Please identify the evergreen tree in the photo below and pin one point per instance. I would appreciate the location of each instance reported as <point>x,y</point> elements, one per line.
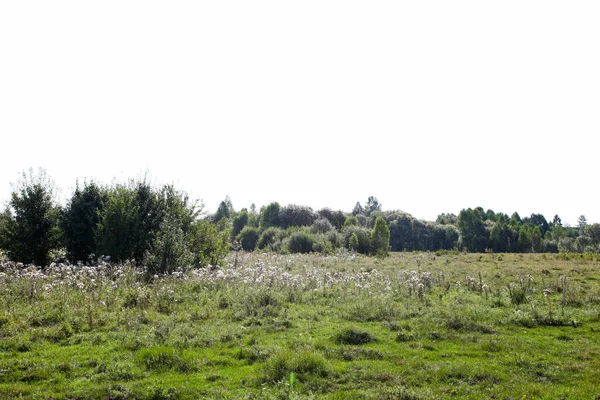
<point>79,220</point>
<point>30,225</point>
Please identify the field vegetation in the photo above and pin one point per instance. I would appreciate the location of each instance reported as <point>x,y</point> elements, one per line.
<point>408,326</point>
<point>133,291</point>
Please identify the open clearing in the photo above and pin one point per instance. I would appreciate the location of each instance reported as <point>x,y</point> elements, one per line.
<point>411,326</point>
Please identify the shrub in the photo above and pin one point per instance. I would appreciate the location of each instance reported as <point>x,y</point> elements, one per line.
<point>380,237</point>
<point>321,226</point>
<point>248,238</point>
<point>183,240</point>
<point>269,237</point>
<point>354,337</point>
<point>322,245</point>
<point>301,242</point>
<point>208,244</point>
<point>169,250</point>
<point>362,234</point>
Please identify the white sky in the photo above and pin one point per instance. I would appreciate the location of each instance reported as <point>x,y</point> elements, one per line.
<point>431,106</point>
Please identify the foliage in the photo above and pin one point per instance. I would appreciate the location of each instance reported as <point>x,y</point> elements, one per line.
<point>239,222</point>
<point>117,234</point>
<point>380,238</point>
<point>29,227</point>
<point>78,221</point>
<point>364,239</point>
<point>350,221</point>
<point>336,218</point>
<point>224,211</point>
<point>473,234</point>
<point>372,205</point>
<point>321,225</point>
<point>301,242</point>
<point>269,216</point>
<point>294,215</point>
<point>269,237</point>
<point>248,238</point>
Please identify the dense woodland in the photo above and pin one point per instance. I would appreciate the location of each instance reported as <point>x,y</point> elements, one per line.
<point>161,228</point>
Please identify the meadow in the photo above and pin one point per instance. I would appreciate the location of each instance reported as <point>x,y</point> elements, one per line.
<point>445,325</point>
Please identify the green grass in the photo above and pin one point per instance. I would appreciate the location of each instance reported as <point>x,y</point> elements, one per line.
<point>411,326</point>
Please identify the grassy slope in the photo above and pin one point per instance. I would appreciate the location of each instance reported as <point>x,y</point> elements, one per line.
<point>409,327</point>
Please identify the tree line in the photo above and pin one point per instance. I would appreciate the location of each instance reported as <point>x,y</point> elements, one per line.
<point>161,228</point>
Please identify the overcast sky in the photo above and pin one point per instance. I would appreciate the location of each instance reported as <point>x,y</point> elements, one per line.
<point>431,106</point>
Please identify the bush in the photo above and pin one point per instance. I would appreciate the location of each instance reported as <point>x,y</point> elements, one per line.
<point>354,337</point>
<point>301,242</point>
<point>169,250</point>
<point>209,244</point>
<point>29,227</point>
<point>322,245</point>
<point>269,237</point>
<point>362,234</point>
<point>321,226</point>
<point>380,237</point>
<point>248,238</point>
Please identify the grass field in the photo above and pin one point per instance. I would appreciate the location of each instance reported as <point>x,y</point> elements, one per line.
<point>411,326</point>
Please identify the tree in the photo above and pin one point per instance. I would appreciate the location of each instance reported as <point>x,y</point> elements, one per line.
<point>182,240</point>
<point>539,220</point>
<point>581,224</point>
<point>116,231</point>
<point>239,222</point>
<point>270,216</point>
<point>473,234</point>
<point>353,243</point>
<point>380,237</point>
<point>294,215</point>
<point>350,221</point>
<point>372,205</point>
<point>322,225</point>
<point>358,209</point>
<point>29,227</point>
<point>78,221</point>
<point>337,218</point>
<point>224,211</point>
<point>525,240</point>
<point>401,233</point>
<point>446,219</point>
<point>593,231</point>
